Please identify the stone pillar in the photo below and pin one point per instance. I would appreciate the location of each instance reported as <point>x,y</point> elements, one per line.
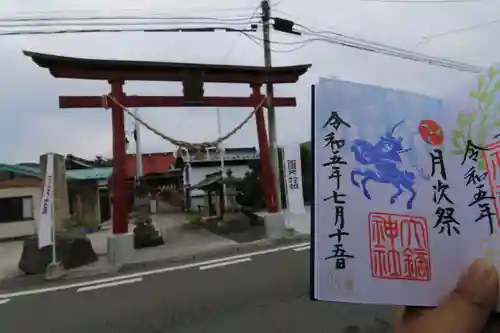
<point>275,225</point>
<point>61,200</point>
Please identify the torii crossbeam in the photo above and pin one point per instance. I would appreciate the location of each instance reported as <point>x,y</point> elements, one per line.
<point>192,76</point>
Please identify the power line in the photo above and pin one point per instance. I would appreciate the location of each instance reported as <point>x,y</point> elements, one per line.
<point>134,23</point>
<point>404,54</point>
<point>114,20</point>
<point>34,16</point>
<point>376,47</point>
<point>259,41</point>
<point>334,38</point>
<point>99,27</point>
<point>370,46</point>
<point>427,39</point>
<point>235,41</point>
<point>423,1</point>
<point>86,31</point>
<point>324,36</point>
<point>89,16</point>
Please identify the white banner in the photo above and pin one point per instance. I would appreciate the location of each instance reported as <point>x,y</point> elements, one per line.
<point>293,179</point>
<point>46,215</point>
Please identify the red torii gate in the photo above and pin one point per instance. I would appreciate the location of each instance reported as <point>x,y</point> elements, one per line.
<point>192,77</point>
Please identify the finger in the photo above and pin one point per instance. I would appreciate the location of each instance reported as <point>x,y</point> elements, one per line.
<point>467,308</point>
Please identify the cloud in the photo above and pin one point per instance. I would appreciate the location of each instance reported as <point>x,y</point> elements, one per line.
<point>33,124</point>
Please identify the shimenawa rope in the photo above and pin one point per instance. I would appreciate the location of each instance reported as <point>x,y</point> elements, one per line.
<point>180,143</point>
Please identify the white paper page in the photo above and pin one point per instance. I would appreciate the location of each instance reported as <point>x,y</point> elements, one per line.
<point>476,110</point>
<point>408,231</point>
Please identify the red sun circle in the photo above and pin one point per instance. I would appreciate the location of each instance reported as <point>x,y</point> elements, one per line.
<point>431,132</point>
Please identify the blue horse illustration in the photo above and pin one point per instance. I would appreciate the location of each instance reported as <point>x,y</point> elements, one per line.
<point>383,157</point>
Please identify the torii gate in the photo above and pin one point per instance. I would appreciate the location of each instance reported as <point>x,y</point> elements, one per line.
<point>192,76</point>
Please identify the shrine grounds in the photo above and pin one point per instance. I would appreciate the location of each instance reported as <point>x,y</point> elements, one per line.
<point>182,245</point>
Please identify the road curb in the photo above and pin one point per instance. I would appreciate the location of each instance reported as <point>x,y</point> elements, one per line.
<point>225,251</point>
<point>14,239</point>
<point>37,280</point>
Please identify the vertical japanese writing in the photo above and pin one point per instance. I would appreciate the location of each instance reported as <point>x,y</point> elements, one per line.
<point>482,198</point>
<point>292,177</point>
<point>446,222</point>
<point>335,163</point>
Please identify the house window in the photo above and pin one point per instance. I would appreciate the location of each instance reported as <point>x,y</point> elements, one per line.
<point>16,209</point>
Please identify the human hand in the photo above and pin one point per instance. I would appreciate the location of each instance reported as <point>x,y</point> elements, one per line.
<point>468,309</point>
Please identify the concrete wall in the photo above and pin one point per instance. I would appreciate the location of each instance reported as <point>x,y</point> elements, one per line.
<point>21,228</point>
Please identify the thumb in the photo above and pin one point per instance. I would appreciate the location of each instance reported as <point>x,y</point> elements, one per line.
<point>467,308</point>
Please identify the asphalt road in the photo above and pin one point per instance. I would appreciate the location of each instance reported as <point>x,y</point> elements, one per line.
<point>259,293</point>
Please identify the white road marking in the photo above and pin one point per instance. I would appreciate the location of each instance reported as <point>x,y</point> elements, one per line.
<point>3,301</point>
<point>225,263</point>
<point>298,249</point>
<point>146,273</point>
<point>107,285</point>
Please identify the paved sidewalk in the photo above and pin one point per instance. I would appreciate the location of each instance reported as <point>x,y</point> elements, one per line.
<point>179,242</point>
<point>170,225</point>
<point>180,245</point>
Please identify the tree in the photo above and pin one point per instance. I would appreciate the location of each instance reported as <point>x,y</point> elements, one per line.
<point>250,189</point>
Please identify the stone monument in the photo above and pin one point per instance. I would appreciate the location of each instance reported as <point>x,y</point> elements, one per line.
<point>145,233</point>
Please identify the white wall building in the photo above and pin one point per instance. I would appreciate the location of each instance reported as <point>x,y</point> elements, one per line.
<point>20,194</point>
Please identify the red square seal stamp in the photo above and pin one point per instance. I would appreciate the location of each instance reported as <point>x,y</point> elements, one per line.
<point>399,247</point>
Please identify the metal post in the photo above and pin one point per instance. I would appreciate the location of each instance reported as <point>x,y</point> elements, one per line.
<point>187,184</point>
<point>271,115</point>
<point>222,154</point>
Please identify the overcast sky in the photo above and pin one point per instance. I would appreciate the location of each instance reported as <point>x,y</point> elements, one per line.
<point>33,124</point>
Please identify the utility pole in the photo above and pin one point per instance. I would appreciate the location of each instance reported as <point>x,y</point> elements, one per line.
<point>271,116</point>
